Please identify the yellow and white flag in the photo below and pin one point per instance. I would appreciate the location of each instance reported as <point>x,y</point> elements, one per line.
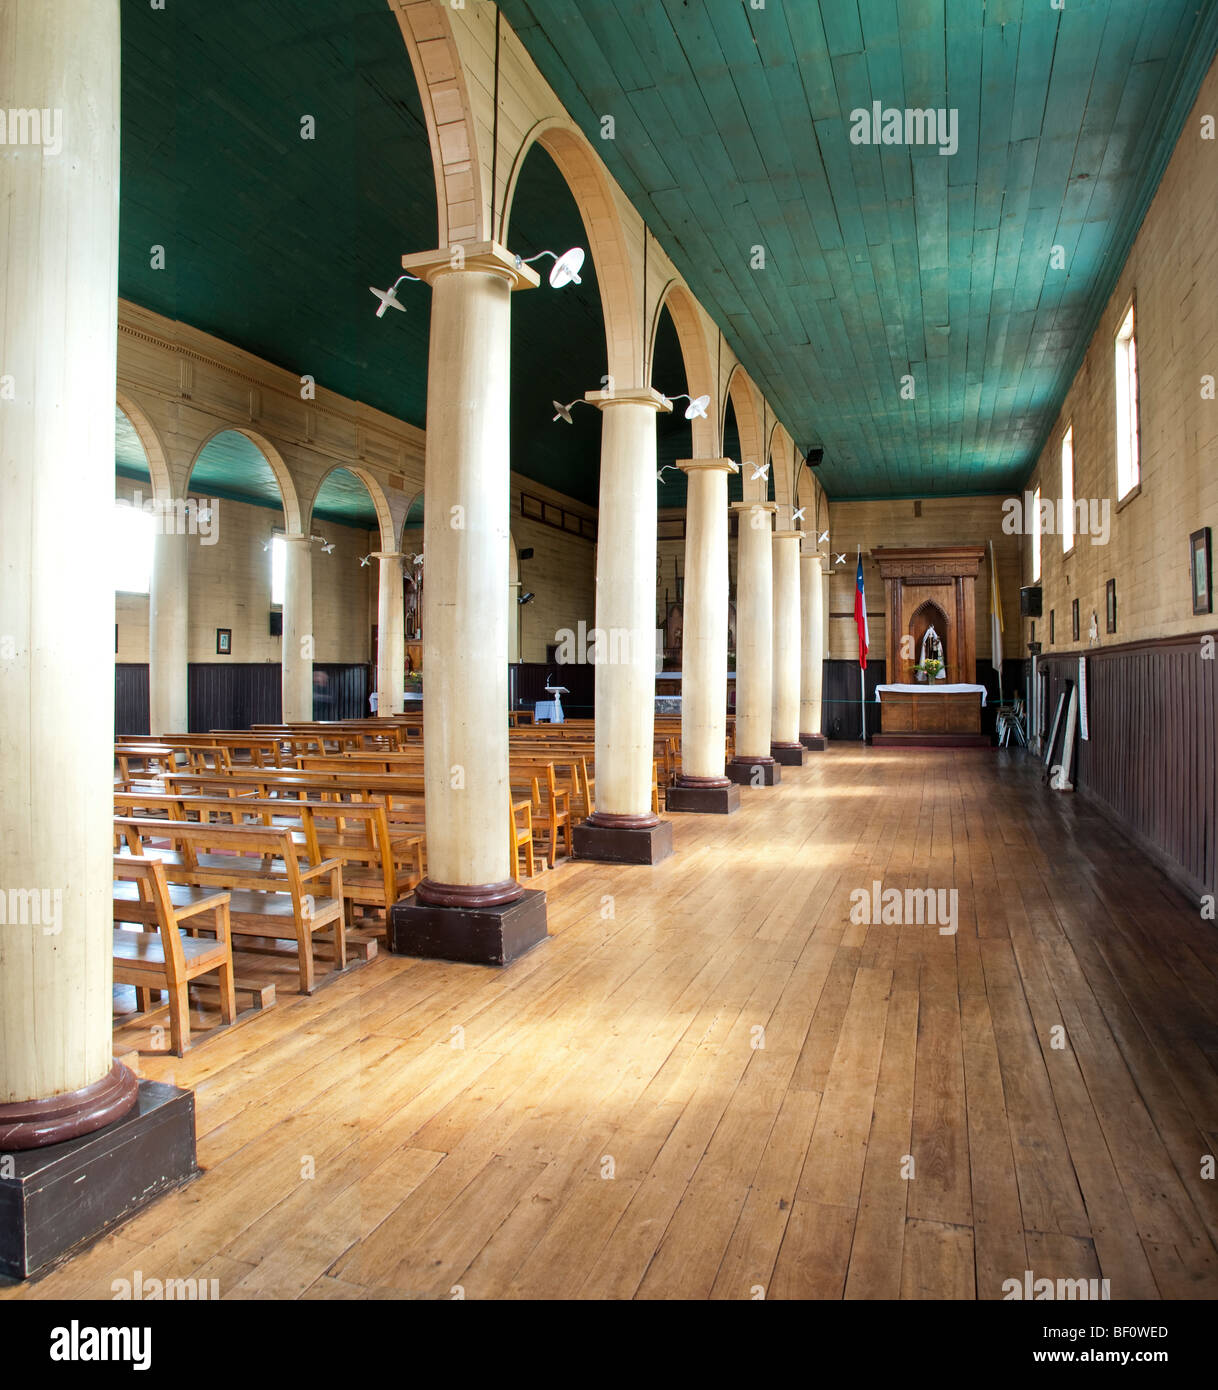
<point>996,624</point>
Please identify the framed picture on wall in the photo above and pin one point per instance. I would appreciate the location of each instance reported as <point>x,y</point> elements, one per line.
<point>1074,620</point>
<point>1110,604</point>
<point>1201,570</point>
<point>224,641</point>
<point>1052,626</point>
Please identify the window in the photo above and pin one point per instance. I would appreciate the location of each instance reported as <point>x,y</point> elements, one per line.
<point>1129,470</point>
<point>134,543</point>
<point>279,568</point>
<point>1068,491</point>
<point>1036,536</point>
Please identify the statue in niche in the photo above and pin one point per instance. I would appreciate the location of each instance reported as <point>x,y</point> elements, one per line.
<point>930,660</point>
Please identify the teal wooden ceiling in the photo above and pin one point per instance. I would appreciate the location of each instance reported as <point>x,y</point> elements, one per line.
<point>733,131</point>
<point>271,240</point>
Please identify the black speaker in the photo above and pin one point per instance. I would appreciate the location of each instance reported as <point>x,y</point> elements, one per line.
<point>276,624</point>
<point>815,457</point>
<point>526,554</point>
<point>1029,601</point>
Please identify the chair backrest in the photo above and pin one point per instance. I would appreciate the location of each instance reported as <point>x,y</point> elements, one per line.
<point>154,889</point>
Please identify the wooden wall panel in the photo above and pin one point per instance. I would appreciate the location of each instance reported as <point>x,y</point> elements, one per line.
<point>1150,759</point>
<point>131,699</point>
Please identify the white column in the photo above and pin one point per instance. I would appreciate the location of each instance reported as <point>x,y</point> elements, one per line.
<point>625,609</point>
<point>704,650</point>
<point>297,670</point>
<point>784,733</point>
<point>168,615</point>
<point>391,638</point>
<point>58,336</point>
<point>466,538</point>
<point>754,632</point>
<point>812,650</point>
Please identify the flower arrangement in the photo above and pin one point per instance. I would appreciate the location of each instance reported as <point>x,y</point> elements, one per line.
<point>930,668</point>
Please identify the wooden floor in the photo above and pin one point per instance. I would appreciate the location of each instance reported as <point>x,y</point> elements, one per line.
<point>710,1083</point>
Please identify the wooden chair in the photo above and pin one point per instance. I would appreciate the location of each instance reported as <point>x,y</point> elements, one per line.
<point>164,958</point>
<point>521,817</point>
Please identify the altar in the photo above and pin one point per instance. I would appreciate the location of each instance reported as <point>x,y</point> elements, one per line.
<point>933,708</point>
<point>930,658</point>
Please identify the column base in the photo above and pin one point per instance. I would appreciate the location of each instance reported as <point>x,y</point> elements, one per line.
<point>754,772</point>
<point>623,844</point>
<point>704,797</point>
<point>815,743</point>
<point>493,935</point>
<point>56,1198</point>
<point>788,754</point>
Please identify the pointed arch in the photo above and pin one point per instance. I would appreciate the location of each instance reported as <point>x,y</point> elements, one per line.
<point>742,394</point>
<point>150,440</point>
<point>461,213</point>
<point>695,351</point>
<point>287,488</point>
<point>589,183</point>
<point>380,502</point>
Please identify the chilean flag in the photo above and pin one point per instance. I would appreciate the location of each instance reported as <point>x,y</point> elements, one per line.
<point>860,612</point>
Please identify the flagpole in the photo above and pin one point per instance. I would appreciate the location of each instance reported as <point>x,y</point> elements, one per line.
<point>863,698</point>
<point>862,666</point>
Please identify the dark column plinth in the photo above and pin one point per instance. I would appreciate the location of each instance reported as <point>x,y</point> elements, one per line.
<point>788,754</point>
<point>493,935</point>
<point>622,840</point>
<point>754,772</point>
<point>718,798</point>
<point>56,1198</point>
<point>815,743</point>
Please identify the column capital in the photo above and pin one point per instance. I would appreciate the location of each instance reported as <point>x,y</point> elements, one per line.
<point>295,536</point>
<point>487,257</point>
<point>386,555</point>
<point>708,466</point>
<point>753,507</point>
<point>633,395</point>
<point>788,535</point>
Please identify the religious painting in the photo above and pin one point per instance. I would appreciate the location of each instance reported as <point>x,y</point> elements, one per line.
<point>224,641</point>
<point>1201,571</point>
<point>1110,605</point>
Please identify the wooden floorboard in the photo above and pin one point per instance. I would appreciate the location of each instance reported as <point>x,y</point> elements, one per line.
<point>711,1082</point>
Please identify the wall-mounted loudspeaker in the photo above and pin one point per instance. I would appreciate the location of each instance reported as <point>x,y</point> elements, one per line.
<point>276,624</point>
<point>1030,601</point>
<point>815,457</point>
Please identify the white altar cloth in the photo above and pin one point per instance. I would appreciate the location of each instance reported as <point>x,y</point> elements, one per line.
<point>933,688</point>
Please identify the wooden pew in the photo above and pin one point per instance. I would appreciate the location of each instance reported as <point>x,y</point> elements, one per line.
<point>379,866</point>
<point>265,901</point>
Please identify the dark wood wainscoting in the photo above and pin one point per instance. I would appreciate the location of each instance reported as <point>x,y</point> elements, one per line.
<point>131,711</point>
<point>1149,762</point>
<point>233,695</point>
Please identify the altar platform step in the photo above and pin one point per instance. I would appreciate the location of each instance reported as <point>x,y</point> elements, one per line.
<point>932,741</point>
